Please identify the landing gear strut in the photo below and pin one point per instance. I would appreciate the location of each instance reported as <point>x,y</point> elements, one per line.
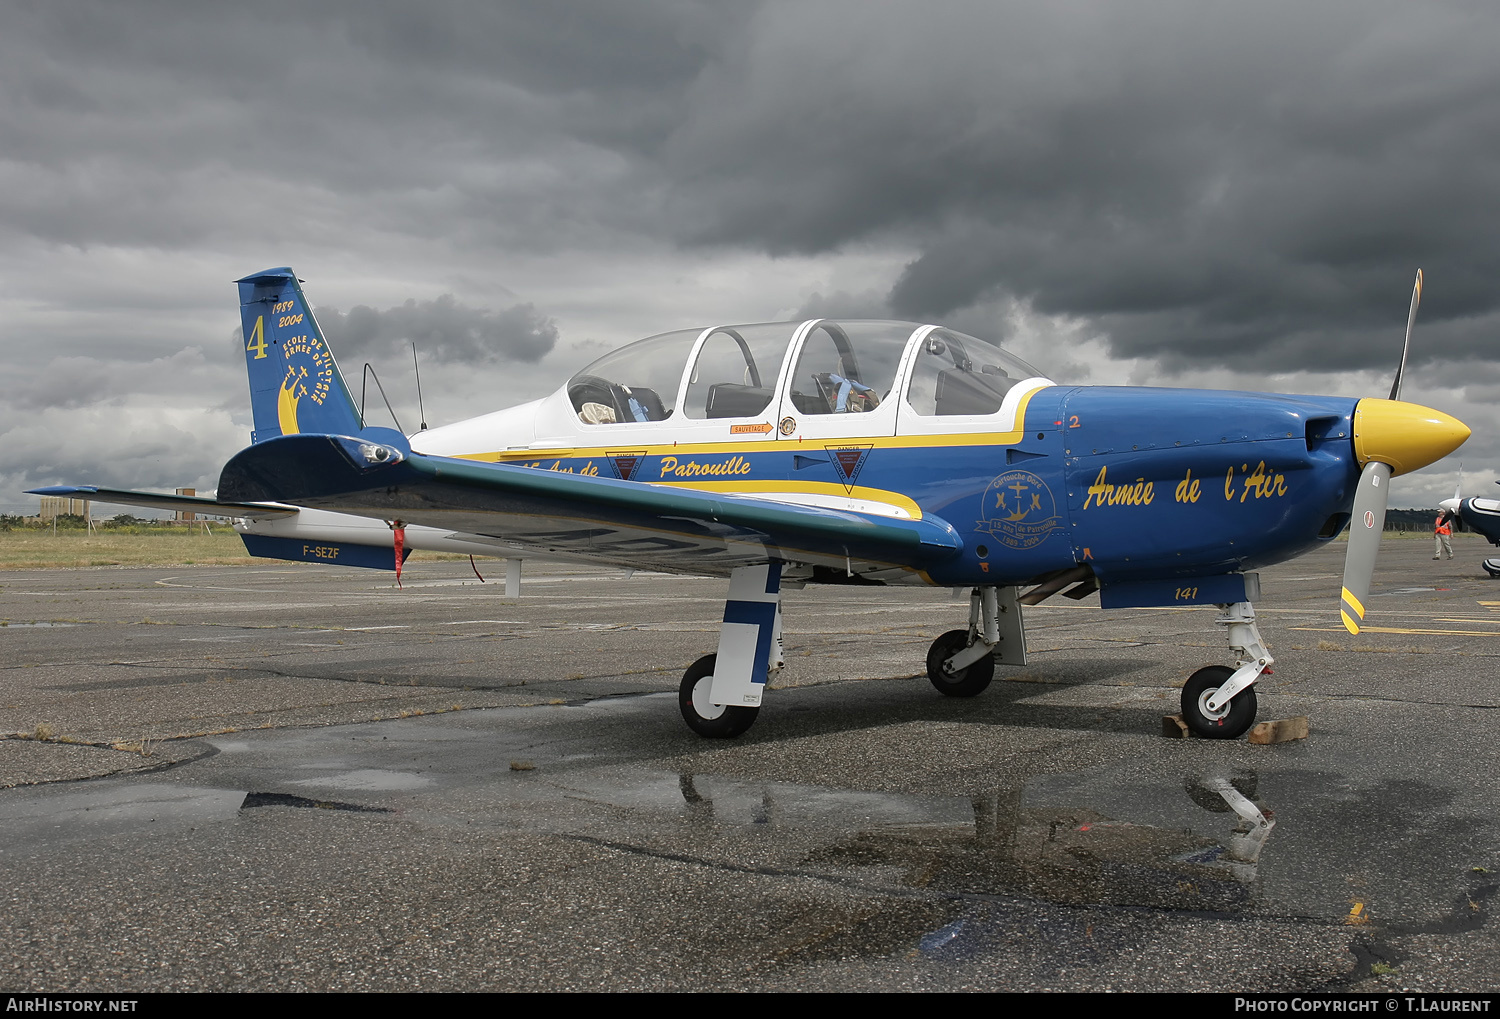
<point>961,663</point>
<point>720,693</point>
<point>1219,702</point>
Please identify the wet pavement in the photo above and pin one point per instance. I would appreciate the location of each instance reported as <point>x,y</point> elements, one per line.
<point>280,777</point>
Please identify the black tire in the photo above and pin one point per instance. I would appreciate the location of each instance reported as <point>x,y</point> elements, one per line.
<point>967,682</point>
<point>727,725</point>
<point>1233,722</point>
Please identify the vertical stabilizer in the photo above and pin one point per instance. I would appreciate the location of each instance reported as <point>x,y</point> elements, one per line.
<point>295,385</point>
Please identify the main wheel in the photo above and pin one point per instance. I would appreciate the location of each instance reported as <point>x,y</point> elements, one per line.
<point>1230,721</point>
<point>966,682</point>
<point>716,721</point>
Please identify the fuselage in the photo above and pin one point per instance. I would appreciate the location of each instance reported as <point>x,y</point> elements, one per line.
<point>1134,482</point>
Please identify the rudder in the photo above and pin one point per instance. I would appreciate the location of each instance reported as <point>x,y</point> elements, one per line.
<point>295,384</point>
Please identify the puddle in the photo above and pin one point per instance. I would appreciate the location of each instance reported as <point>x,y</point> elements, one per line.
<point>369,780</point>
<point>735,802</point>
<point>1005,842</point>
<point>21,626</point>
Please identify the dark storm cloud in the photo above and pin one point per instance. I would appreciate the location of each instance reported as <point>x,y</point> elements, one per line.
<point>444,330</point>
<point>159,124</point>
<point>1200,185</point>
<point>1204,182</point>
<point>1207,182</point>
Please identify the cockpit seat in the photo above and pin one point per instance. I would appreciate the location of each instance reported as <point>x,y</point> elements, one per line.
<point>599,402</point>
<point>730,400</point>
<point>637,403</point>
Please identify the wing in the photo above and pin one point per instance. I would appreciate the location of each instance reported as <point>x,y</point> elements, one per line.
<point>200,504</point>
<point>619,522</point>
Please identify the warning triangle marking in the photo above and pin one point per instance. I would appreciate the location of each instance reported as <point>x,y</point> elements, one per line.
<point>847,461</point>
<point>625,464</point>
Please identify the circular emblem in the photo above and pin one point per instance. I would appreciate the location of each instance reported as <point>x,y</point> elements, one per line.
<point>1369,519</point>
<point>1018,510</point>
<point>788,425</point>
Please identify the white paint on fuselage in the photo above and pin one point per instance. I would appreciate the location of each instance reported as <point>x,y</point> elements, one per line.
<point>326,526</point>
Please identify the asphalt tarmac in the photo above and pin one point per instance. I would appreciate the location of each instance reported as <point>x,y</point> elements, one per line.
<point>290,777</point>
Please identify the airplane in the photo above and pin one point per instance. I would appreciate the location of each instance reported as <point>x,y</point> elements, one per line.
<point>1479,515</point>
<point>781,454</point>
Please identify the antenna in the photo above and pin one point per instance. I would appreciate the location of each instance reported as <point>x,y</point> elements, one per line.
<point>369,373</point>
<point>422,413</point>
<point>1411,318</point>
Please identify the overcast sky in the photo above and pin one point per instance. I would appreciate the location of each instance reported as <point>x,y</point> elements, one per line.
<point>1184,194</point>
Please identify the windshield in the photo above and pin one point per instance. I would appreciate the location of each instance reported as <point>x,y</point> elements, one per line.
<point>959,374</point>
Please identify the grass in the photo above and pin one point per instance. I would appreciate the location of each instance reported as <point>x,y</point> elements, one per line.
<point>30,548</point>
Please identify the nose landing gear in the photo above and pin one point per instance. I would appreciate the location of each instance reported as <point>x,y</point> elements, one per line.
<point>1219,702</point>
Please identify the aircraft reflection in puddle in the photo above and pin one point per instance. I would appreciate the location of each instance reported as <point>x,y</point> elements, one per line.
<point>993,844</point>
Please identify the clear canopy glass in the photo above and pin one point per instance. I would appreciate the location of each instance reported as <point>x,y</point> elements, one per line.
<point>848,367</point>
<point>842,368</point>
<point>958,374</point>
<point>736,371</point>
<point>638,382</point>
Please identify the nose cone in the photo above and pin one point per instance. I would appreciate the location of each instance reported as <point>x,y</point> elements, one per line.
<point>1451,505</point>
<point>1404,435</point>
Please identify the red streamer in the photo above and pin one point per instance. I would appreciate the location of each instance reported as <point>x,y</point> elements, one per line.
<point>400,533</point>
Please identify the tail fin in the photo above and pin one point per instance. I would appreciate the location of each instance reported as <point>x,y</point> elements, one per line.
<point>295,385</point>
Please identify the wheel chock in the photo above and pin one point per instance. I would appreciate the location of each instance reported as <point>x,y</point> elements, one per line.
<point>1279,730</point>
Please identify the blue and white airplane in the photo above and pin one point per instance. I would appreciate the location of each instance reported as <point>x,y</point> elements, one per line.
<point>839,452</point>
<point>1479,515</point>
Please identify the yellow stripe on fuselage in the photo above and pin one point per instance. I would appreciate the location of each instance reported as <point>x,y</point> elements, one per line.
<point>762,446</point>
<point>801,487</point>
<point>1009,438</point>
<point>764,486</point>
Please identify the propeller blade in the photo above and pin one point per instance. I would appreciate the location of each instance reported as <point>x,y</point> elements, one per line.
<point>1411,318</point>
<point>1364,541</point>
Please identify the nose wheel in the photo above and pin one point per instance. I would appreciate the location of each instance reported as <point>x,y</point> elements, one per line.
<point>1231,720</point>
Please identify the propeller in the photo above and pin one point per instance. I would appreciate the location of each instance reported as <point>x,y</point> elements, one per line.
<point>1455,504</point>
<point>1390,438</point>
<point>1364,541</point>
<point>1411,319</point>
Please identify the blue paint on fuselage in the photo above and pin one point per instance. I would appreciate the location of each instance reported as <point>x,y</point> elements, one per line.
<point>1134,482</point>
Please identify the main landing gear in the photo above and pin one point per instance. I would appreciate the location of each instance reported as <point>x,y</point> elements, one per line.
<point>961,663</point>
<point>720,693</point>
<point>1219,702</point>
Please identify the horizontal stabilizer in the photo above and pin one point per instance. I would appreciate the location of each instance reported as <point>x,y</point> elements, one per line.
<point>200,504</point>
<point>330,553</point>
